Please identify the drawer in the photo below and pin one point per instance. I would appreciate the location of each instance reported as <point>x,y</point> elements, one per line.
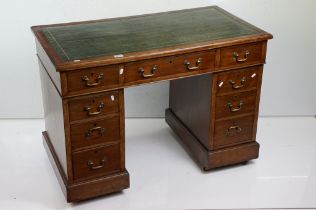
<point>166,67</point>
<point>91,79</point>
<point>241,55</point>
<point>95,132</point>
<point>96,162</point>
<point>233,131</point>
<point>238,80</point>
<point>93,105</point>
<point>235,104</point>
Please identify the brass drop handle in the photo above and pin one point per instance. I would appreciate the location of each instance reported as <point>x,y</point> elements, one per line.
<point>233,109</point>
<point>191,68</point>
<point>232,128</point>
<point>92,84</point>
<point>152,72</point>
<point>240,60</point>
<point>236,86</point>
<point>96,128</point>
<point>91,166</point>
<point>99,109</point>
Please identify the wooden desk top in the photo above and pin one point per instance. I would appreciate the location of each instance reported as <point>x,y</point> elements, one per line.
<point>102,42</point>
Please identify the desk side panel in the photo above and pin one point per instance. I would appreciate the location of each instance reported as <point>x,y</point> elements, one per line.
<point>54,119</point>
<point>190,101</point>
<point>51,70</point>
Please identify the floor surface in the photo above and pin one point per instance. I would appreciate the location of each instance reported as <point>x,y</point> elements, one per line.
<point>163,176</point>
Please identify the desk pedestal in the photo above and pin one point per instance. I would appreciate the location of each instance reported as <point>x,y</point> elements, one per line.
<point>216,120</point>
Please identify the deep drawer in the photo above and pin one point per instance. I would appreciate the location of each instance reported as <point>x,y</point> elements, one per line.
<point>154,69</point>
<point>95,132</point>
<point>93,105</point>
<point>96,162</point>
<point>233,131</point>
<point>238,80</point>
<point>235,104</point>
<point>92,79</point>
<point>242,55</point>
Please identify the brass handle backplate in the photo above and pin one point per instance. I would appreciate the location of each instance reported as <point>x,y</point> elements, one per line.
<point>91,166</point>
<point>238,86</point>
<point>240,60</point>
<point>99,109</point>
<point>92,84</point>
<point>235,109</point>
<point>152,72</point>
<point>191,68</point>
<point>234,128</point>
<point>96,128</point>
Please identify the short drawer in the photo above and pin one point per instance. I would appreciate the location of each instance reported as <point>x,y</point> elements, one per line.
<point>95,132</point>
<point>233,131</point>
<point>166,67</point>
<point>235,104</point>
<point>238,80</point>
<point>96,162</point>
<point>91,79</point>
<point>240,55</point>
<point>93,105</point>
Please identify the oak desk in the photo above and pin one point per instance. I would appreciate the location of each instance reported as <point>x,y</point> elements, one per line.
<point>85,67</point>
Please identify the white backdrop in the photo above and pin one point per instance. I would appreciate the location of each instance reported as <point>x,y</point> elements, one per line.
<point>289,86</point>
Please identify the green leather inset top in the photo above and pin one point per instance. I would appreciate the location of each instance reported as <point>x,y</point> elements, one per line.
<point>140,33</point>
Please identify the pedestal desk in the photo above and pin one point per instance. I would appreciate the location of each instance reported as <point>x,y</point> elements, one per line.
<point>213,59</point>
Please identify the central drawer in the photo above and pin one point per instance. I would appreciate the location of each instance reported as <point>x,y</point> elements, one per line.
<point>166,67</point>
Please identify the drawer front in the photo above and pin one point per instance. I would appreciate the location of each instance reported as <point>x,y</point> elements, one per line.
<point>163,67</point>
<point>238,80</point>
<point>95,132</point>
<point>233,131</point>
<point>93,105</point>
<point>92,79</point>
<point>96,162</point>
<point>235,104</point>
<point>241,55</point>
